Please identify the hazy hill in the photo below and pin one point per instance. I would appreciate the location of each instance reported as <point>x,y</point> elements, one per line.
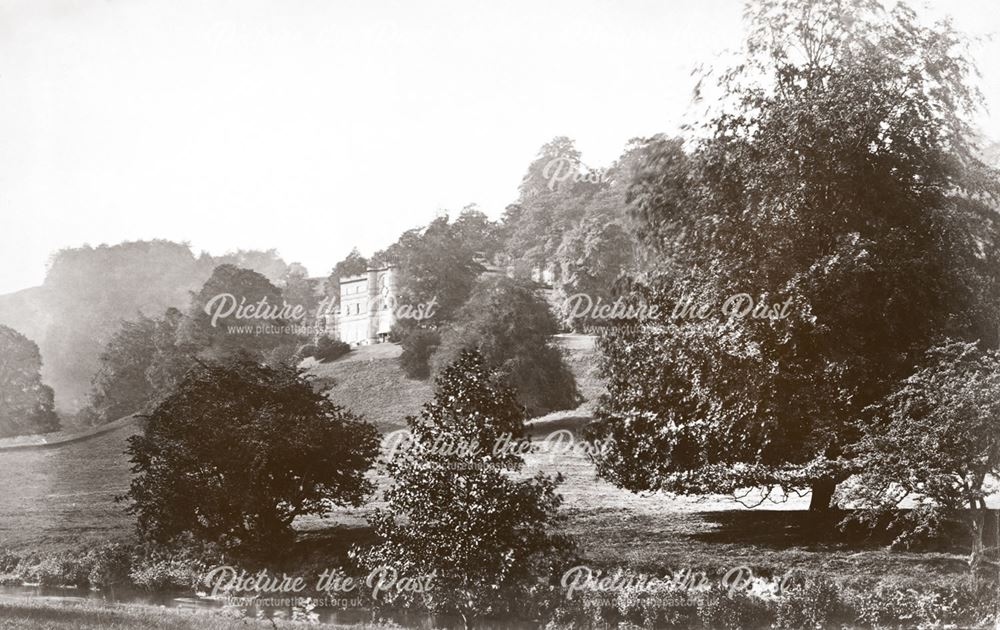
<point>88,291</point>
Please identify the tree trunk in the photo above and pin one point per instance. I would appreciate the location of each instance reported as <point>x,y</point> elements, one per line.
<point>978,522</point>
<point>822,495</point>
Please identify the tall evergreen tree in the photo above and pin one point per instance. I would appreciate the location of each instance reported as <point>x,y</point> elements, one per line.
<point>456,512</point>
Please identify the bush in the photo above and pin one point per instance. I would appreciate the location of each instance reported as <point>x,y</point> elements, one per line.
<point>736,611</point>
<point>167,574</point>
<point>510,324</point>
<point>325,349</point>
<point>963,604</point>
<point>59,570</point>
<point>328,349</point>
<point>8,561</point>
<point>816,605</point>
<point>285,354</point>
<point>110,565</point>
<point>418,346</point>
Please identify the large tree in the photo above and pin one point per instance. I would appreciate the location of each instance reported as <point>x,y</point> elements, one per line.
<point>219,323</point>
<point>121,385</point>
<point>240,449</point>
<point>837,173</point>
<point>553,196</point>
<point>435,263</point>
<point>25,402</point>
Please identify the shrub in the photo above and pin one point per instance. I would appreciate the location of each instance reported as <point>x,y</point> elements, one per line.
<point>889,605</point>
<point>110,565</point>
<point>328,349</point>
<point>8,561</point>
<point>510,324</point>
<point>166,574</point>
<point>325,349</point>
<point>737,611</point>
<point>59,570</point>
<point>418,346</point>
<point>815,605</point>
<point>488,538</point>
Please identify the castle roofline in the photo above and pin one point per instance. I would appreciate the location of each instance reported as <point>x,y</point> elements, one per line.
<point>364,276</point>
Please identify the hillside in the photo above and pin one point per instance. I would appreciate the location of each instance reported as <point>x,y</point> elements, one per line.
<point>370,382</point>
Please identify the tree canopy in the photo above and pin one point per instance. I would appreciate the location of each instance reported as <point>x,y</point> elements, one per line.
<point>25,402</point>
<point>455,513</point>
<point>238,450</point>
<point>838,172</point>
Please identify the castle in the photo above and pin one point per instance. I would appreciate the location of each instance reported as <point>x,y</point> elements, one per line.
<point>367,308</point>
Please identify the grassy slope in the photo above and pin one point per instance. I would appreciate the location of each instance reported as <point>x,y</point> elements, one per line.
<point>369,382</point>
<point>63,497</point>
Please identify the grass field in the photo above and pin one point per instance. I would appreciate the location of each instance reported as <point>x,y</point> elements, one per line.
<point>48,615</point>
<point>63,497</point>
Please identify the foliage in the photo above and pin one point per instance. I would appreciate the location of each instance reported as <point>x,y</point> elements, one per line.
<point>510,324</point>
<point>89,290</point>
<point>327,349</point>
<point>121,386</point>
<point>298,289</point>
<point>267,263</point>
<point>418,344</point>
<point>838,177</point>
<point>25,402</point>
<point>146,357</point>
<point>455,512</point>
<point>216,338</point>
<point>477,233</point>
<point>592,257</point>
<point>352,265</point>
<point>935,439</point>
<point>239,450</point>
<point>438,261</point>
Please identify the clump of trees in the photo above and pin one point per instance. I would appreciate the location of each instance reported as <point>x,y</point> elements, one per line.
<point>146,357</point>
<point>838,170</point>
<point>238,450</point>
<point>510,325</point>
<point>570,222</point>
<point>25,402</point>
<point>438,263</point>
<point>455,512</point>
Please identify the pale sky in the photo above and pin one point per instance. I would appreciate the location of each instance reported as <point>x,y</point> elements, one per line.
<point>314,126</point>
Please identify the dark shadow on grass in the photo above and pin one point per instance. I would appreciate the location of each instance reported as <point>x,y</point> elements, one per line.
<point>811,531</point>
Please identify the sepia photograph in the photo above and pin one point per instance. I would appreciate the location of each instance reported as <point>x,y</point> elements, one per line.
<point>520,315</point>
